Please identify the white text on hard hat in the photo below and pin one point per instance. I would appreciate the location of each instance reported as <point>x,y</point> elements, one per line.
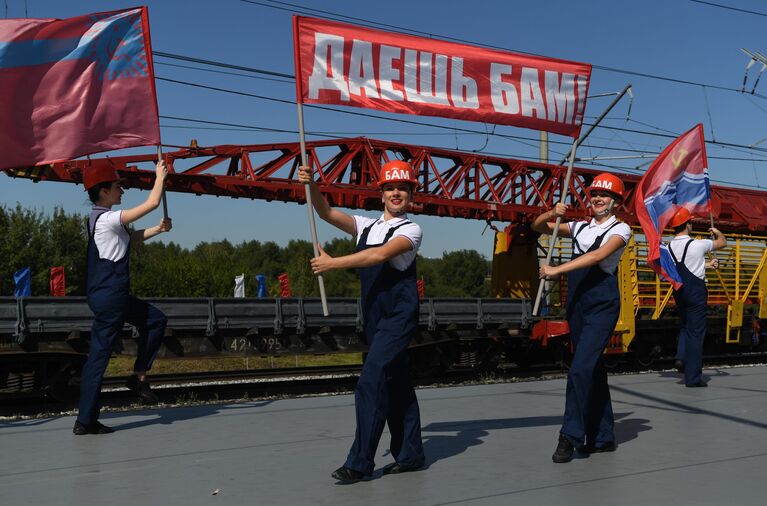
<point>607,185</point>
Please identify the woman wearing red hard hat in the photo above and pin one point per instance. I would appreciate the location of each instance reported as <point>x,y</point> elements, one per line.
<point>691,298</point>
<point>108,289</point>
<point>385,258</point>
<point>593,306</point>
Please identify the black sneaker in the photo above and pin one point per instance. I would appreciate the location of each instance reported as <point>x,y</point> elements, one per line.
<point>80,429</point>
<point>564,451</point>
<point>699,384</point>
<point>397,468</point>
<point>345,475</point>
<point>606,447</point>
<point>141,388</point>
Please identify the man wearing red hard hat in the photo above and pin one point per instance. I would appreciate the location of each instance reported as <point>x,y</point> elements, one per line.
<point>689,255</point>
<point>385,259</point>
<point>108,291</point>
<point>593,306</point>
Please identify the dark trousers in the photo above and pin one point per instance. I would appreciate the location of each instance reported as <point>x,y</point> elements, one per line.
<point>588,407</point>
<point>110,314</point>
<point>691,336</point>
<point>385,394</point>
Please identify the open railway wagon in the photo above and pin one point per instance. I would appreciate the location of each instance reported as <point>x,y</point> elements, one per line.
<point>44,340</point>
<point>453,332</point>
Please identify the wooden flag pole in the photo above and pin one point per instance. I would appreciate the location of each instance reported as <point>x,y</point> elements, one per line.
<point>555,232</point>
<point>164,201</point>
<point>576,143</point>
<point>310,206</point>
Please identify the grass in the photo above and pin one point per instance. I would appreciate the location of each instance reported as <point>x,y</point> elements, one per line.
<point>121,365</point>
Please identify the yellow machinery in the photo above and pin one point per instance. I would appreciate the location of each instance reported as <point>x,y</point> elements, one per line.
<point>738,288</point>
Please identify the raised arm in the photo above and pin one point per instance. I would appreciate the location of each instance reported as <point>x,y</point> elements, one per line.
<point>335,217</point>
<point>543,225</point>
<point>720,241</point>
<point>153,200</point>
<point>365,258</point>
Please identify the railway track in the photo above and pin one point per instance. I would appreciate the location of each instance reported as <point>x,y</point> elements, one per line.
<point>226,386</point>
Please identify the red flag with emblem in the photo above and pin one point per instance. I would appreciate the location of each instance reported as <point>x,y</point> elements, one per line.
<point>75,86</point>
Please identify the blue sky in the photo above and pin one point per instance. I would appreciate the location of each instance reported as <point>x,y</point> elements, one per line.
<point>678,39</point>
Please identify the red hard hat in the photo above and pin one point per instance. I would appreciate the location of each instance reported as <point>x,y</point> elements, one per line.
<point>100,174</point>
<point>397,171</point>
<point>609,183</point>
<point>681,217</point>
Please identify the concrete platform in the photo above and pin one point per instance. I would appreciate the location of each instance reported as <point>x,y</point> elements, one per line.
<point>485,445</point>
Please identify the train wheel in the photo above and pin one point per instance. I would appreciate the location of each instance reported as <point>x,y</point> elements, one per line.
<point>427,362</point>
<point>612,360</point>
<point>646,353</point>
<point>563,357</point>
<point>62,386</point>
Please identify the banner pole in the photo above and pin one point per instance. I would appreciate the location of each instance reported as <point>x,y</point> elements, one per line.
<point>164,201</point>
<point>309,205</point>
<point>576,142</point>
<point>600,118</point>
<point>555,232</point>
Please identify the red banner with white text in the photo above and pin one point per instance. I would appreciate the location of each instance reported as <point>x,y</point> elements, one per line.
<point>342,64</point>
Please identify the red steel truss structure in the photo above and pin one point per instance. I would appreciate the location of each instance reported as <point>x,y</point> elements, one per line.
<point>452,183</point>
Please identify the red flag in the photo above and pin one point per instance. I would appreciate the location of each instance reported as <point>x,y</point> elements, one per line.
<point>677,178</point>
<point>58,282</point>
<point>343,64</point>
<point>75,86</point>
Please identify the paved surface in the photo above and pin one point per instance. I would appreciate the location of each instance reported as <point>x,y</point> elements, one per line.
<point>485,445</point>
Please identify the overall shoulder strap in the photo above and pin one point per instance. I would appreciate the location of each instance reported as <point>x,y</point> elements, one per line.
<point>391,231</point>
<point>92,231</point>
<point>686,247</point>
<point>364,234</point>
<point>578,230</point>
<point>598,240</point>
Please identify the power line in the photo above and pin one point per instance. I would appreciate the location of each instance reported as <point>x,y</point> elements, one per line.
<point>222,72</point>
<point>289,76</point>
<point>325,14</point>
<point>341,135</point>
<point>353,113</point>
<point>421,123</point>
<point>729,8</point>
<point>222,64</point>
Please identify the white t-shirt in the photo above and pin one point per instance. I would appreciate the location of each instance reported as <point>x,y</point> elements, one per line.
<point>412,232</point>
<point>110,235</point>
<point>695,261</point>
<point>588,234</point>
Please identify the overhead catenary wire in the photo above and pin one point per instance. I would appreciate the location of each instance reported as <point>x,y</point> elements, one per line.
<point>288,79</point>
<point>434,125</point>
<point>670,135</point>
<point>729,7</point>
<point>325,14</point>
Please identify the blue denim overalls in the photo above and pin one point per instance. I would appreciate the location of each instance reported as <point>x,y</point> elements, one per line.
<point>384,392</point>
<point>593,307</point>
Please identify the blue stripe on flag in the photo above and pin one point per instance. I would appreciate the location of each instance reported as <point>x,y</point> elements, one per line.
<point>126,59</point>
